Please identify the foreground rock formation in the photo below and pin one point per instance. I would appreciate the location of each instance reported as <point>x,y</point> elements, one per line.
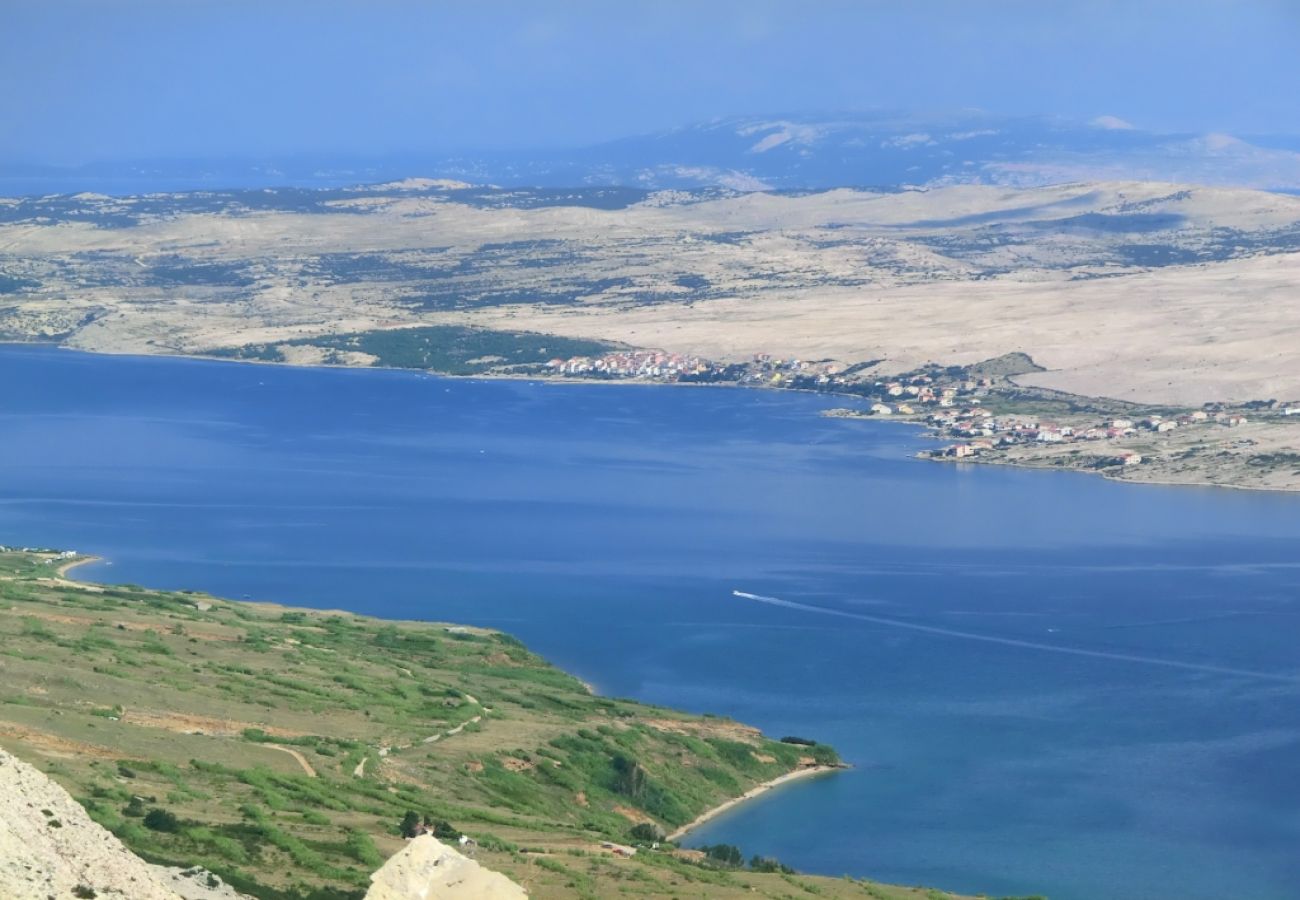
<point>50,848</point>
<point>427,869</point>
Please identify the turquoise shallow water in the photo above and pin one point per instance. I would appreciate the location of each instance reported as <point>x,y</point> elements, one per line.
<point>1047,682</point>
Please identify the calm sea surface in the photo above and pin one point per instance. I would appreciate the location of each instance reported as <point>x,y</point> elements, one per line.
<point>1047,682</point>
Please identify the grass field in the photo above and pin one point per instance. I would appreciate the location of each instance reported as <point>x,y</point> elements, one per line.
<point>281,748</point>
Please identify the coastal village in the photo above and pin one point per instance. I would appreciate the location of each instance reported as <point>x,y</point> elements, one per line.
<point>659,365</point>
<point>969,409</point>
<point>982,432</point>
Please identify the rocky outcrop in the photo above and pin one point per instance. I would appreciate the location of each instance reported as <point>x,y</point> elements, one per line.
<point>427,869</point>
<point>197,883</point>
<point>50,849</point>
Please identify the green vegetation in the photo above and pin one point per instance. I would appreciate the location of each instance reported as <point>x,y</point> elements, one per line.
<point>1006,366</point>
<point>447,349</point>
<point>288,750</point>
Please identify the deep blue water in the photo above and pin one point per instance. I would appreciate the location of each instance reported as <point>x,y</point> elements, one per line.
<point>607,526</point>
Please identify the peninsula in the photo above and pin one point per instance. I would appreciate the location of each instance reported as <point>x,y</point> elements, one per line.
<point>288,750</point>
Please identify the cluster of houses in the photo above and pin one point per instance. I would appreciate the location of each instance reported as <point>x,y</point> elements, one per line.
<point>950,399</point>
<point>764,368</point>
<point>56,555</point>
<point>662,366</point>
<point>906,397</point>
<point>632,364</point>
<point>983,432</point>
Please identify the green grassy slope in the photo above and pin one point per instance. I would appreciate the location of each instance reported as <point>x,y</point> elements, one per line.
<point>281,748</point>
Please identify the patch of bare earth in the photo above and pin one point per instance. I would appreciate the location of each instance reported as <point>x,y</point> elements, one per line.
<point>635,816</point>
<point>183,723</point>
<point>719,728</point>
<point>52,745</point>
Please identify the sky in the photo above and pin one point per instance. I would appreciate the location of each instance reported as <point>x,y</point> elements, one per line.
<point>92,80</point>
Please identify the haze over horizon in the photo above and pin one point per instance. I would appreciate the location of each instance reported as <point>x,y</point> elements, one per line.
<point>150,79</point>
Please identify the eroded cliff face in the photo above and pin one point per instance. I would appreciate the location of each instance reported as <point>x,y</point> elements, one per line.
<point>50,848</point>
<point>427,869</point>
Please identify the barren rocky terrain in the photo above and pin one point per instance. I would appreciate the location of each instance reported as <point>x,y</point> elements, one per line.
<point>1152,292</point>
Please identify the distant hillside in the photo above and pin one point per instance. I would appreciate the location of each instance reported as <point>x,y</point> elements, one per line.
<point>1192,283</point>
<point>890,149</point>
<point>806,151</point>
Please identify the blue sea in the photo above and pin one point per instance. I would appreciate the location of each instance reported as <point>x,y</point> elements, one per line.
<point>1047,682</point>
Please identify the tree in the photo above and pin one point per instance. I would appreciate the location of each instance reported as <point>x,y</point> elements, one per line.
<point>410,824</point>
<point>724,854</point>
<point>646,832</point>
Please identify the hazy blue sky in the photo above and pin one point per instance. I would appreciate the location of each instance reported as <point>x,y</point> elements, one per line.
<point>135,78</point>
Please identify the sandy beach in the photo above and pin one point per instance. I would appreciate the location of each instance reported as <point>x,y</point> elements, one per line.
<point>708,815</point>
<point>67,567</point>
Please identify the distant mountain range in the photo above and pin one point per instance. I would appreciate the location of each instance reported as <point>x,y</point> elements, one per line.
<point>758,153</point>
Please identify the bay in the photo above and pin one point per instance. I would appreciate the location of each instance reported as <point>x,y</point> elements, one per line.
<point>1047,682</point>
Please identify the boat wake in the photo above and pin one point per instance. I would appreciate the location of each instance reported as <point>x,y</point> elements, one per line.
<point>1021,643</point>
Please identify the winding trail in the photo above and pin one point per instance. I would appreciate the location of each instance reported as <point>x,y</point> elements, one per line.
<point>302,760</point>
<point>450,731</point>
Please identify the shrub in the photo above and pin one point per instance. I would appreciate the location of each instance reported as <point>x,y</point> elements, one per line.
<point>443,831</point>
<point>629,777</point>
<point>825,756</point>
<point>158,819</point>
<point>361,847</point>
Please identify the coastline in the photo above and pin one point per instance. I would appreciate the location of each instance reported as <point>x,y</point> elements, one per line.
<point>708,815</point>
<point>549,380</point>
<point>756,791</point>
<point>1142,480</point>
<point>166,732</point>
<point>63,570</point>
<point>1118,479</point>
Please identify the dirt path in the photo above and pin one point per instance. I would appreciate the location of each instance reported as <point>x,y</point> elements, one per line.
<point>302,760</point>
<point>450,731</point>
<point>461,727</point>
<point>751,794</point>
